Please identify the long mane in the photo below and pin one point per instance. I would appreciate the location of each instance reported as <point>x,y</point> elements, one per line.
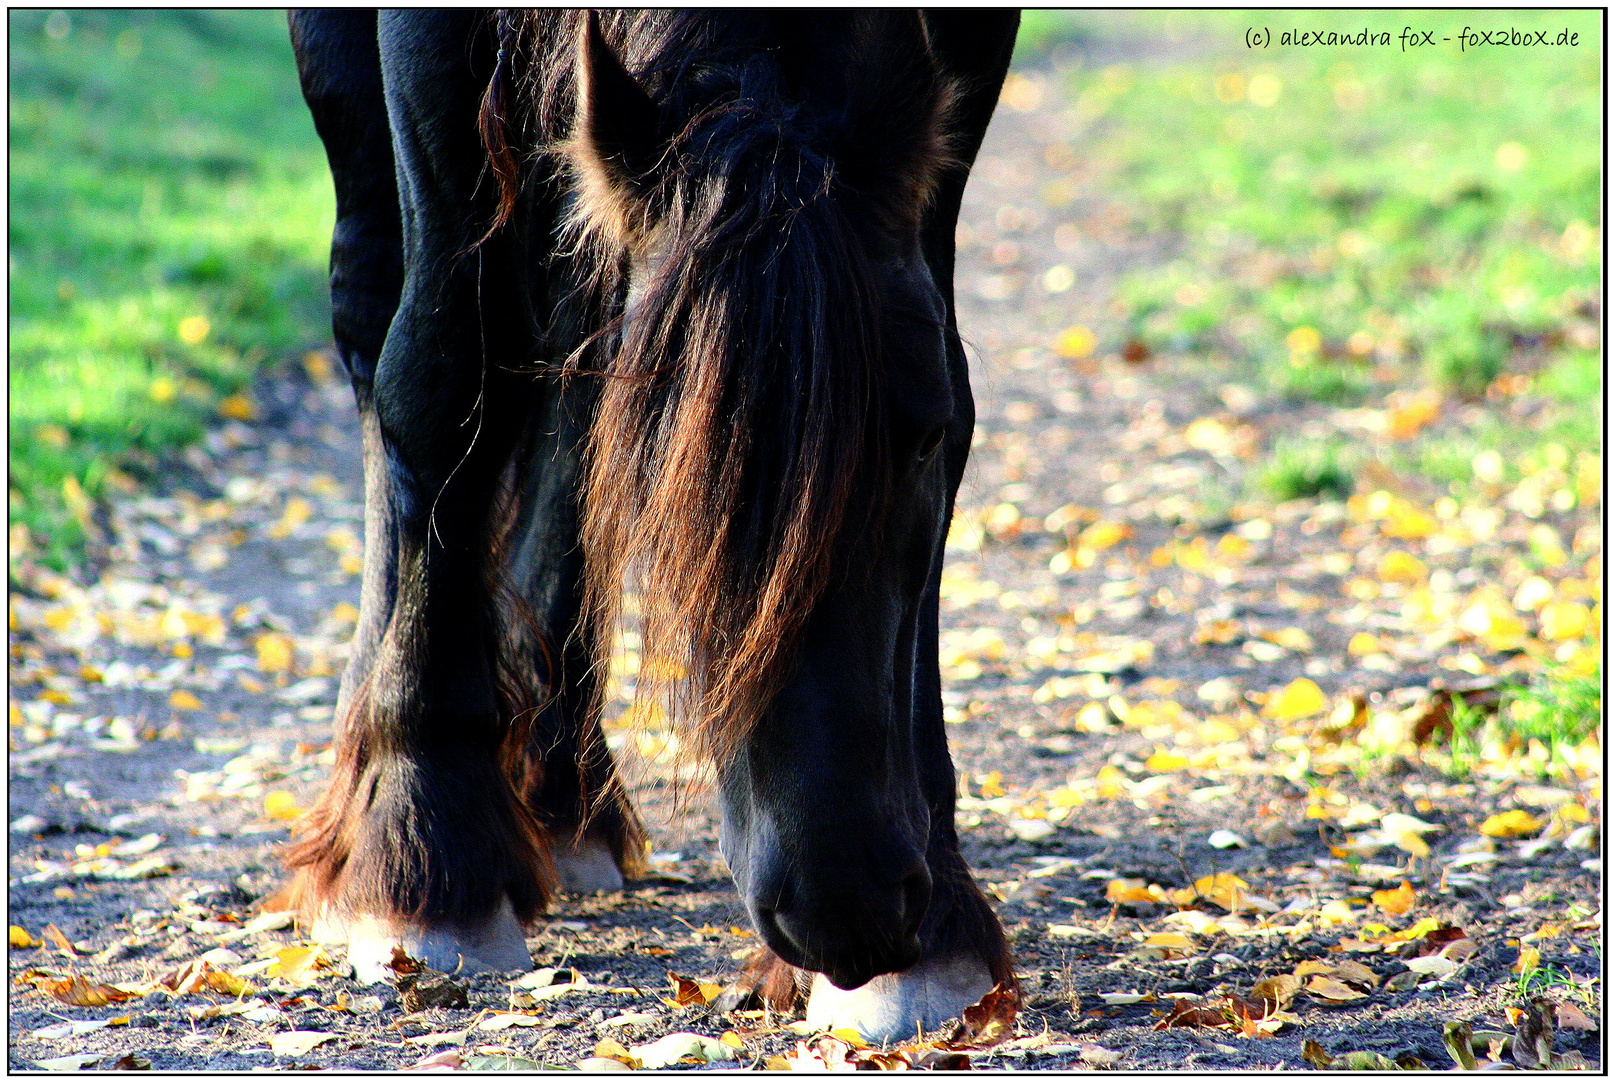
<point>737,433</point>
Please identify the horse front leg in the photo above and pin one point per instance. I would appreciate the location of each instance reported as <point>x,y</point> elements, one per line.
<point>420,841</point>
<point>564,770</point>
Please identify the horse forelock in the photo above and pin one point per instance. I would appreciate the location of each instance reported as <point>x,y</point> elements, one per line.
<point>739,421</point>
<point>737,425</point>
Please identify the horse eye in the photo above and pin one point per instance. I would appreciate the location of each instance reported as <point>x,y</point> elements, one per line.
<point>931,443</point>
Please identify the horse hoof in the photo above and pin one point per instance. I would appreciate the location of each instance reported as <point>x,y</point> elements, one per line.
<point>897,1006</point>
<point>497,944</point>
<point>587,867</point>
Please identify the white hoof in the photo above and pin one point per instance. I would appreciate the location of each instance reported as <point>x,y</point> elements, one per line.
<point>897,1006</point>
<point>587,867</point>
<point>498,944</point>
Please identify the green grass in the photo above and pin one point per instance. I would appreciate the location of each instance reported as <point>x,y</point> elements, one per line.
<point>163,168</point>
<point>1346,221</point>
<point>1556,709</point>
<point>1305,470</point>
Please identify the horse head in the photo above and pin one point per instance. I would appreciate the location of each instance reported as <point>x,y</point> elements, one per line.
<point>778,438</point>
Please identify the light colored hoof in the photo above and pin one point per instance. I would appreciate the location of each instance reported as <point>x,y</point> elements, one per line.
<point>587,867</point>
<point>895,1007</point>
<point>498,944</point>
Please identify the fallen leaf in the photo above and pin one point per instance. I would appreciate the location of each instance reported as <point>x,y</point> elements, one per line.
<point>1278,990</point>
<point>987,1022</point>
<point>1394,901</point>
<point>1224,889</point>
<point>442,1061</point>
<point>297,1043</point>
<point>281,806</point>
<point>1298,699</point>
<point>1534,1035</point>
<point>70,1063</point>
<point>1510,824</point>
<point>1316,1055</point>
<point>18,938</point>
<point>672,1048</point>
<point>502,1020</point>
<point>440,1038</point>
<point>300,963</point>
<point>1435,966</point>
<point>1331,989</point>
<point>184,700</point>
<point>77,990</point>
<point>131,1063</point>
<point>690,991</point>
<point>1568,1015</point>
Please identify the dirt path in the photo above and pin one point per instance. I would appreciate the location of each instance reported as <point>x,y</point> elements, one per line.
<point>1107,718</point>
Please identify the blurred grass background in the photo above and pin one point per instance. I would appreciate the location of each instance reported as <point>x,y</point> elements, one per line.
<point>1343,223</point>
<point>1346,222</point>
<point>169,228</point>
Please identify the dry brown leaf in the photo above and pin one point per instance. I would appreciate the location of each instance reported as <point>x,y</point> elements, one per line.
<point>58,940</point>
<point>1278,990</point>
<point>987,1022</point>
<point>1354,972</point>
<point>400,963</point>
<point>1323,986</point>
<point>690,991</point>
<point>1534,1035</point>
<point>77,990</point>
<point>1570,1016</point>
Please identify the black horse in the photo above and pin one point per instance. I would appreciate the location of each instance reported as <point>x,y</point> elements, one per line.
<point>658,300</point>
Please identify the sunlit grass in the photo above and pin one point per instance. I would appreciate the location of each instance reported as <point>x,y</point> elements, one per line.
<point>1346,221</point>
<point>170,215</point>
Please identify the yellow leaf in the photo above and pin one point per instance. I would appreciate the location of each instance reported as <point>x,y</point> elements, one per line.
<point>1103,535</point>
<point>1363,644</point>
<point>298,963</point>
<point>1401,566</point>
<point>1110,782</point>
<point>1511,823</point>
<point>1231,546</point>
<point>1411,843</point>
<point>1074,343</point>
<point>1164,761</point>
<point>1529,959</point>
<point>1301,698</point>
<point>1223,889</point>
<point>1405,522</point>
<point>733,1039</point>
<point>1169,939</point>
<point>1292,637</point>
<point>274,653</point>
<point>990,786</point>
<point>238,407</point>
<point>18,938</point>
<point>281,806</point>
<point>1129,891</point>
<point>851,1036</point>
<point>1394,901</point>
<point>1405,419</point>
<point>1560,621</point>
<point>184,699</point>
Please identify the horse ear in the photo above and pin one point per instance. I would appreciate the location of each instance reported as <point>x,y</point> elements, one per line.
<point>898,107</point>
<point>615,138</point>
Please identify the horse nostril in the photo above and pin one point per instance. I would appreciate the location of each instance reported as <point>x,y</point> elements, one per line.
<point>916,888</point>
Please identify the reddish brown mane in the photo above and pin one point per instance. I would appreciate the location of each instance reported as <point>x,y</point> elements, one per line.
<point>739,424</point>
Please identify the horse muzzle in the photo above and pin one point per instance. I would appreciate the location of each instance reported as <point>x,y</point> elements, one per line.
<point>849,926</point>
